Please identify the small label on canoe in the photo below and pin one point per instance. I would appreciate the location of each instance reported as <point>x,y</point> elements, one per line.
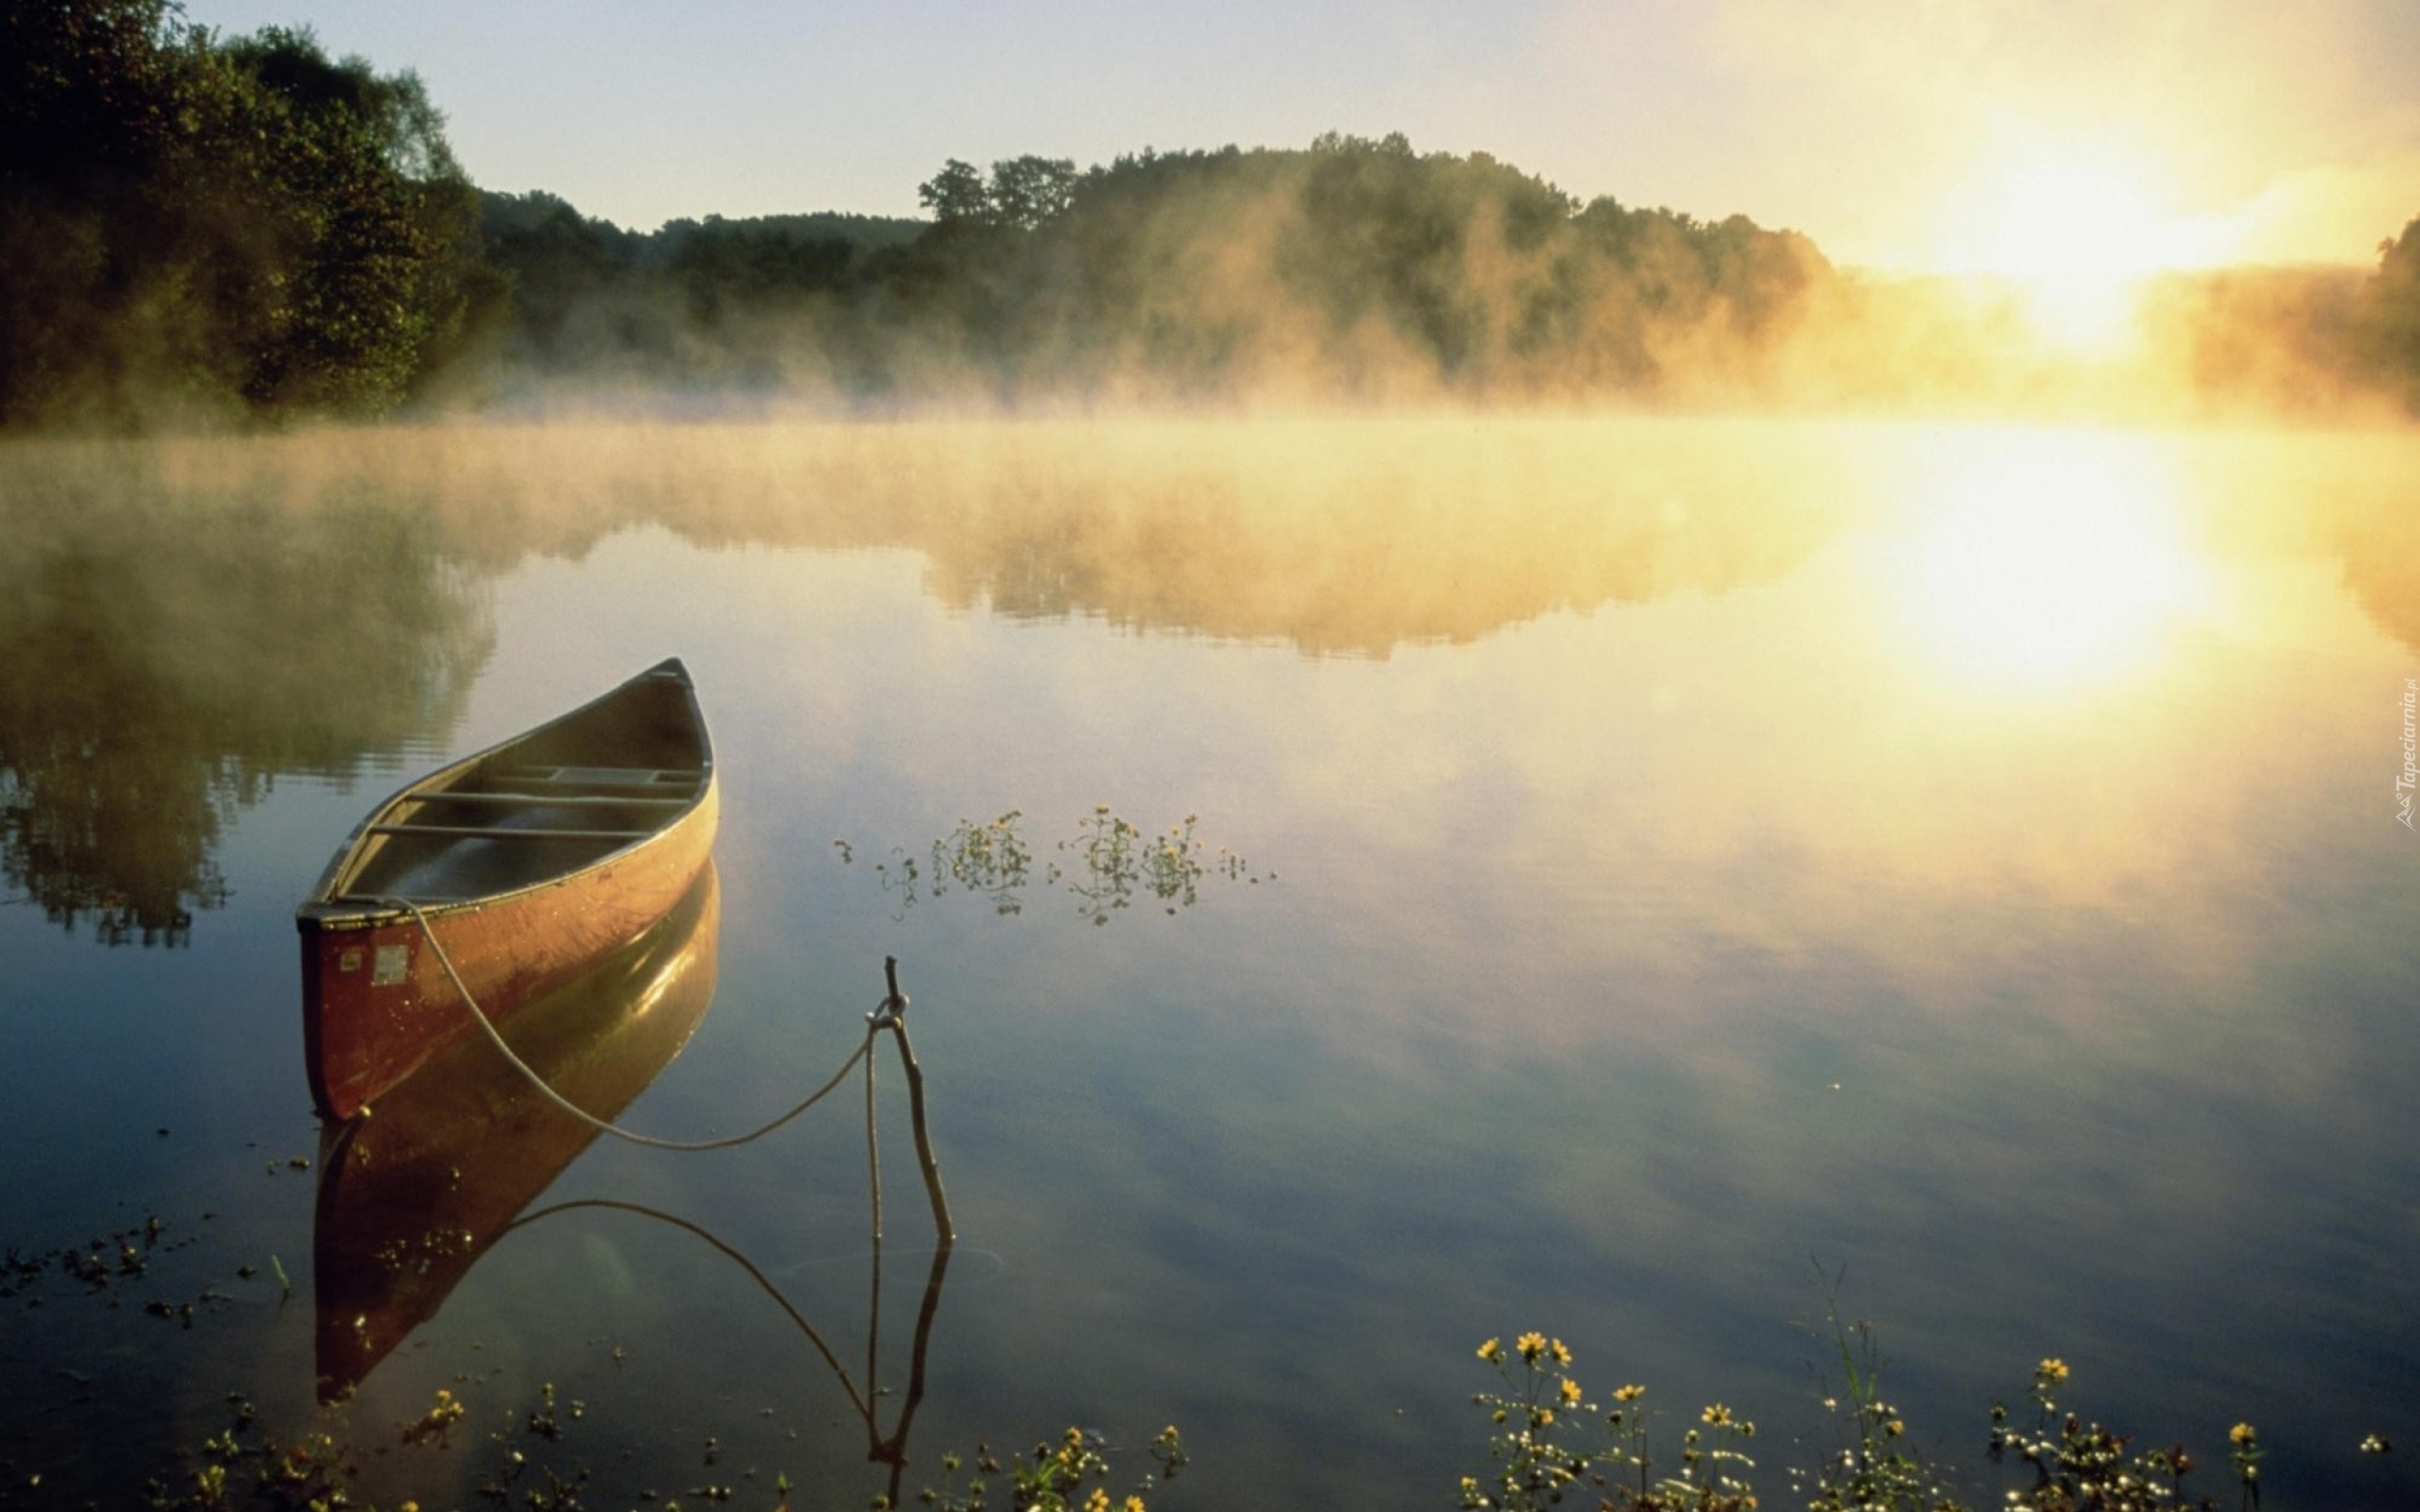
<point>348,960</point>
<point>393,965</point>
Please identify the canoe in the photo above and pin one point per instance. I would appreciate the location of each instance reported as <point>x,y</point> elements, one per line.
<point>411,1199</point>
<point>529,862</point>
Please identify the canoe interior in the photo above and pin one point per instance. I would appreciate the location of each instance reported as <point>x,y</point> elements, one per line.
<point>567,795</point>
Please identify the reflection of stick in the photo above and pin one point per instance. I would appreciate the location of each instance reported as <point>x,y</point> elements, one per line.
<point>896,1004</point>
<point>893,1451</point>
<point>874,1183</point>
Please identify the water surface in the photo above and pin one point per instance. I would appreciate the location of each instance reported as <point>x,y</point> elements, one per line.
<point>1672,854</point>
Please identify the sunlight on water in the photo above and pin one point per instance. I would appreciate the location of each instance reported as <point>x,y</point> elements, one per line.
<point>2048,561</point>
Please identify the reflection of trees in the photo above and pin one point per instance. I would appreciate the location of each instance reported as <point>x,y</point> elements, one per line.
<point>2382,570</point>
<point>170,657</point>
<point>1348,537</point>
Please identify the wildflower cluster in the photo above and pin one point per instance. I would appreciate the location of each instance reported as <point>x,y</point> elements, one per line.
<point>434,1425</point>
<point>1548,1442</point>
<point>1543,1450</point>
<point>2078,1463</point>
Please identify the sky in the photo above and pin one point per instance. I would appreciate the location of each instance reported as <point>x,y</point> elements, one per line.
<point>1912,135</point>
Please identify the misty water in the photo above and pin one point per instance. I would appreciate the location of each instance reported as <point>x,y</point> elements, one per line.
<point>1662,857</point>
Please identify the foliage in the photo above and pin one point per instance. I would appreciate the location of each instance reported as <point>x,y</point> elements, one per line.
<point>197,226</point>
<point>2393,312</point>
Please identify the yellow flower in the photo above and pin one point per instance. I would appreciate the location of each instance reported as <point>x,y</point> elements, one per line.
<point>2051,1370</point>
<point>1894,1428</point>
<point>1530,1344</point>
<point>1562,1355</point>
<point>1630,1393</point>
<point>1570,1390</point>
<point>2243,1433</point>
<point>1544,1417</point>
<point>1098,1502</point>
<point>1132,1503</point>
<point>1717,1414</point>
<point>1492,1351</point>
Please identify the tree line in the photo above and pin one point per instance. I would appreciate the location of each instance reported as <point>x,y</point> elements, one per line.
<point>199,227</point>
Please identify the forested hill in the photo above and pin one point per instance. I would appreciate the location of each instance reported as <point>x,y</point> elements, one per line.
<point>206,229</point>
<point>1354,268</point>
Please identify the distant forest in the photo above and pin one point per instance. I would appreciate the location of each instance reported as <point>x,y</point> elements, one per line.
<point>199,230</point>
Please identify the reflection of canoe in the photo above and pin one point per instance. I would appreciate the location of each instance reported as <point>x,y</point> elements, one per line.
<point>409,1199</point>
<point>531,861</point>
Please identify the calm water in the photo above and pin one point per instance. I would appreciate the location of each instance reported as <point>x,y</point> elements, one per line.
<point>1672,855</point>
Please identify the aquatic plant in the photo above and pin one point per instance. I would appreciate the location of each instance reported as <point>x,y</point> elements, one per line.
<point>1549,1443</point>
<point>1053,1478</point>
<point>1111,862</point>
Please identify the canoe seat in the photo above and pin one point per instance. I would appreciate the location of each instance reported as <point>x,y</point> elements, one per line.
<point>649,778</point>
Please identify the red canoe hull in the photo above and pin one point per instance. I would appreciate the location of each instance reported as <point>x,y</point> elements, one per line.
<point>378,1002</point>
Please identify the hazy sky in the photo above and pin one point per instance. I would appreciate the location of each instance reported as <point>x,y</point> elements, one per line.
<point>1905,133</point>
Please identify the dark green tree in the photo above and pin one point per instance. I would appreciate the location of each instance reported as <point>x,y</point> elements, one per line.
<point>957,195</point>
<point>190,224</point>
<point>1029,192</point>
<point>2395,311</point>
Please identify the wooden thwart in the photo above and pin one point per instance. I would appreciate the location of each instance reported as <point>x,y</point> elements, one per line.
<point>567,801</point>
<point>481,832</point>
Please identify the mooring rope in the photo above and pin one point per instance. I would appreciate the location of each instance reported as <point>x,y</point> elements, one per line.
<point>875,1022</point>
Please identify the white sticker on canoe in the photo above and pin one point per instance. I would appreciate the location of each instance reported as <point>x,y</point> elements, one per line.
<point>393,965</point>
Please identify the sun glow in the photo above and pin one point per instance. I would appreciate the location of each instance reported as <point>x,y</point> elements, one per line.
<point>2045,562</point>
<point>2077,232</point>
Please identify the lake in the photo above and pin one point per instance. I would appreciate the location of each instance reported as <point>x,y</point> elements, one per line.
<point>1638,868</point>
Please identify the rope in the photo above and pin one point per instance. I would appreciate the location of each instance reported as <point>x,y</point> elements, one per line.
<point>875,1023</point>
<point>764,1282</point>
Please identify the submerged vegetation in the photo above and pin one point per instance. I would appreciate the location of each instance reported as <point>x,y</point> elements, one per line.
<point>201,228</point>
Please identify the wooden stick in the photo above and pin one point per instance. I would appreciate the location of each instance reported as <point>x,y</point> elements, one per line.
<point>897,1004</point>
